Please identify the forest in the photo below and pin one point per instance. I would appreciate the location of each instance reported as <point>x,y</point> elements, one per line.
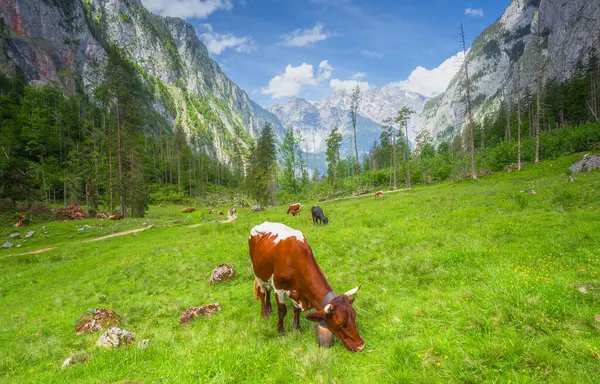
<point>103,152</point>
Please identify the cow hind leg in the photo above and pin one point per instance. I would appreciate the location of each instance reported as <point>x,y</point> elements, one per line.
<point>296,322</point>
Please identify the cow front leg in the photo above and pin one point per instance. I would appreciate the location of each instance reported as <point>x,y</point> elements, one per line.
<point>281,311</point>
<point>296,322</point>
<point>267,309</point>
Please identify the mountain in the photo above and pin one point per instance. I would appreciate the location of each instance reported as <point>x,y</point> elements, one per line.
<point>319,118</point>
<point>509,47</point>
<point>67,42</point>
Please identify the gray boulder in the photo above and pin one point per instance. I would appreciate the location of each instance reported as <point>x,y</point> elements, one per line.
<point>115,337</point>
<point>15,236</point>
<point>29,234</point>
<point>8,244</point>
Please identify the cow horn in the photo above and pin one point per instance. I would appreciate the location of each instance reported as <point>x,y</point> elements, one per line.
<point>352,291</point>
<point>328,308</point>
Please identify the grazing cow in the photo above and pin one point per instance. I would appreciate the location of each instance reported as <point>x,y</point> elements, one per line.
<point>283,261</point>
<point>189,210</point>
<point>115,217</point>
<point>378,194</point>
<point>20,223</point>
<point>294,209</point>
<point>231,212</point>
<point>318,215</point>
<point>211,211</point>
<point>220,213</point>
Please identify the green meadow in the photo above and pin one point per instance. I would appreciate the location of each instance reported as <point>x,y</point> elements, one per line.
<point>461,282</point>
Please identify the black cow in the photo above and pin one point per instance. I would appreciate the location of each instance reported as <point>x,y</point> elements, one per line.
<point>318,215</point>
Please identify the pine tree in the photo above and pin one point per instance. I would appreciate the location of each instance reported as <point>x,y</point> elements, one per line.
<point>332,154</point>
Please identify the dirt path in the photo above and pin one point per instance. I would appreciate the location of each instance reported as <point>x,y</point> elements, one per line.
<point>116,234</point>
<point>365,195</point>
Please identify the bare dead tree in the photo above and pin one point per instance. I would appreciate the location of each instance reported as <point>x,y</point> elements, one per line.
<point>468,86</point>
<point>354,106</point>
<point>538,37</point>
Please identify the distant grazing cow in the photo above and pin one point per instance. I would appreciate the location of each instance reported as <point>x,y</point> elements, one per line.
<point>378,194</point>
<point>220,213</point>
<point>20,223</point>
<point>283,261</point>
<point>318,215</point>
<point>115,217</point>
<point>231,212</point>
<point>211,211</point>
<point>189,210</point>
<point>294,209</point>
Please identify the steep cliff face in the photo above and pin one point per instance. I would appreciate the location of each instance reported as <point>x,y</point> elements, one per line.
<point>506,54</point>
<point>66,41</point>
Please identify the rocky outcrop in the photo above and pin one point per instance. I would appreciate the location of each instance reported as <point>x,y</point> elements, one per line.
<point>206,310</point>
<point>95,320</point>
<point>222,272</point>
<point>588,163</point>
<point>507,47</point>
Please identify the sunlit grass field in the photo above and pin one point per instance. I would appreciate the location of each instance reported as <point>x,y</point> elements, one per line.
<point>461,282</point>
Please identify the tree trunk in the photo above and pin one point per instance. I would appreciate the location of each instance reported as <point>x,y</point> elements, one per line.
<point>394,149</point>
<point>120,159</point>
<point>110,170</point>
<point>508,133</point>
<point>468,85</point>
<point>539,91</point>
<point>407,157</point>
<point>519,133</point>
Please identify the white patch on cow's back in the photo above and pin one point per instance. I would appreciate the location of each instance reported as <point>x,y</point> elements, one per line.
<point>281,231</point>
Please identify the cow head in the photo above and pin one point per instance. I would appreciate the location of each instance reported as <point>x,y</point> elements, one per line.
<point>325,220</point>
<point>340,317</point>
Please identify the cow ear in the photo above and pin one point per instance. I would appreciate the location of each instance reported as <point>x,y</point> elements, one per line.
<point>316,316</point>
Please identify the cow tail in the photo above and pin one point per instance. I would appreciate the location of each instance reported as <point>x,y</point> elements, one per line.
<point>256,288</point>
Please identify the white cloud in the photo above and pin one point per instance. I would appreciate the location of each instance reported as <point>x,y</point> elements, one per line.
<point>186,8</point>
<point>348,85</point>
<point>430,82</point>
<point>216,43</point>
<point>359,75</point>
<point>291,82</point>
<point>371,54</point>
<point>474,12</point>
<point>303,38</point>
<point>325,70</point>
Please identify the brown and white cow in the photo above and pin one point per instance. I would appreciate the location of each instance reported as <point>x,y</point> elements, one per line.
<point>294,209</point>
<point>378,194</point>
<point>115,217</point>
<point>283,261</point>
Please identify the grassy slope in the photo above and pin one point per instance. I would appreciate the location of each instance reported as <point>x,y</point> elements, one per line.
<point>462,282</point>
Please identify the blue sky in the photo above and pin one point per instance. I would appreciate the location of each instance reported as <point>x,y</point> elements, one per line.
<point>275,49</point>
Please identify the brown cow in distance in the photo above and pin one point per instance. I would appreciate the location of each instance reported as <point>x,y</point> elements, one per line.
<point>189,210</point>
<point>294,209</point>
<point>378,194</point>
<point>283,261</point>
<point>20,223</point>
<point>220,213</point>
<point>211,211</point>
<point>115,217</point>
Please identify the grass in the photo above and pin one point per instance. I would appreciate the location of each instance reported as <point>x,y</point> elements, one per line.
<point>462,282</point>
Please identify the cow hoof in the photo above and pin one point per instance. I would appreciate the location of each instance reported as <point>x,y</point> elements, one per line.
<point>281,331</point>
<point>265,315</point>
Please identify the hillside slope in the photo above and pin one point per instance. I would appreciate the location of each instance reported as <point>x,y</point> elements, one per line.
<point>66,42</point>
